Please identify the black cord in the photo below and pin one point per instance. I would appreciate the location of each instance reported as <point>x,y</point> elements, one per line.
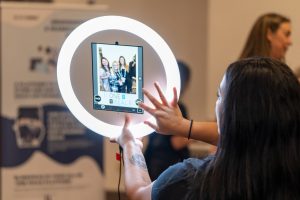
<point>120,171</point>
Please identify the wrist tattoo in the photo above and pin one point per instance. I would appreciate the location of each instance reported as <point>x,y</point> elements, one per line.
<point>138,160</point>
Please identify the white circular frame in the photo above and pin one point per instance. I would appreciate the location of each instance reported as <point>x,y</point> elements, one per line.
<point>104,23</point>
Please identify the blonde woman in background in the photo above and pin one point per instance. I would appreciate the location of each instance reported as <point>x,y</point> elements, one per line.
<point>270,36</point>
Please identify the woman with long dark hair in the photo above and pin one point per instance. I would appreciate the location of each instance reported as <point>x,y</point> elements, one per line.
<point>124,73</point>
<point>258,155</point>
<point>104,72</point>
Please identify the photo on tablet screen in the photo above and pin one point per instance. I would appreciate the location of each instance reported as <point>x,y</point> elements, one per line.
<point>117,77</point>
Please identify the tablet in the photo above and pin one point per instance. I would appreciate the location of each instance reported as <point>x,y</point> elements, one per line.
<point>117,72</point>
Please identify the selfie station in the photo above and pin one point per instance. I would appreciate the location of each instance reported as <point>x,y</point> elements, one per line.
<point>103,66</point>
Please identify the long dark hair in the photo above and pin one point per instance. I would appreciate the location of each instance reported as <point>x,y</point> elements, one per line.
<point>258,154</point>
<point>108,66</point>
<point>124,61</point>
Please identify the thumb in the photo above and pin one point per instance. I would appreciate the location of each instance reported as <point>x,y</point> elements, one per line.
<point>127,121</point>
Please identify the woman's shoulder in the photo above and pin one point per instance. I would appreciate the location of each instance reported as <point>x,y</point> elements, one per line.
<point>196,163</point>
<point>177,179</point>
<point>190,166</point>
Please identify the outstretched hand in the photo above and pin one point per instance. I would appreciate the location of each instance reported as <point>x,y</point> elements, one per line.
<point>126,136</point>
<point>167,114</point>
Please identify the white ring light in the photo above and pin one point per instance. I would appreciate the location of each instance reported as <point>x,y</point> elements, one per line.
<point>104,23</point>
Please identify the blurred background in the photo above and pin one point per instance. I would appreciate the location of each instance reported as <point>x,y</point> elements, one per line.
<point>206,34</point>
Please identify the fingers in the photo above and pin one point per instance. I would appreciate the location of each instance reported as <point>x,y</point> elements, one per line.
<point>147,108</point>
<point>153,100</point>
<point>175,98</point>
<point>156,103</point>
<point>161,94</point>
<point>164,100</point>
<point>151,125</point>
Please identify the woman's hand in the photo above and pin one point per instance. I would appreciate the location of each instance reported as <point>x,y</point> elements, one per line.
<point>126,137</point>
<point>168,115</point>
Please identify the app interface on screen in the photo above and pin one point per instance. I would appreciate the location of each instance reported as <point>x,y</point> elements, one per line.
<point>117,77</point>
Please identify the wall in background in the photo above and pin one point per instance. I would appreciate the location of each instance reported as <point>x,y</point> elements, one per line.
<point>229,23</point>
<point>208,35</point>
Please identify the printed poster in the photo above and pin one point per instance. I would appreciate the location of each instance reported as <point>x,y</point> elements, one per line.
<point>46,154</point>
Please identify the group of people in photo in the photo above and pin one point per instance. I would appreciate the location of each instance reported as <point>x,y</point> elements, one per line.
<point>117,77</point>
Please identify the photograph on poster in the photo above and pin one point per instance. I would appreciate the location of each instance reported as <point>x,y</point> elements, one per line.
<point>117,77</point>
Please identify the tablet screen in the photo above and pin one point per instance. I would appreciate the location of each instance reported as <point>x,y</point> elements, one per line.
<point>117,77</point>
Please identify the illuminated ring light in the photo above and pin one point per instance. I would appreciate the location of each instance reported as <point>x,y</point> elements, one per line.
<point>104,23</point>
